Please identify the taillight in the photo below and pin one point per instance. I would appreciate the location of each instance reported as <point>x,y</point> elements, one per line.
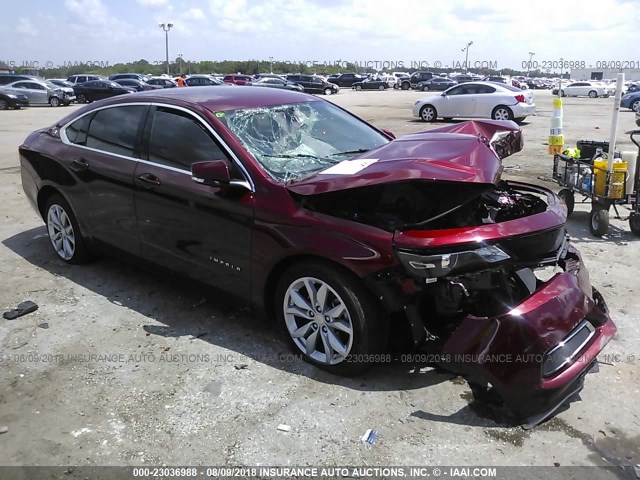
<point>520,98</point>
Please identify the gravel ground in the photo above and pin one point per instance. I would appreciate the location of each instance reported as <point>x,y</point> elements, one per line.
<point>119,366</point>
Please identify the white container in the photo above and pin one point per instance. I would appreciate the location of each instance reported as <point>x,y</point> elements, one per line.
<point>630,157</point>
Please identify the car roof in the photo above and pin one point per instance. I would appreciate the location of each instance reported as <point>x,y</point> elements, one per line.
<point>217,98</point>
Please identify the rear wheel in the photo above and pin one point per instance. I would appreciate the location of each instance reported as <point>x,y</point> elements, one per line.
<point>81,98</point>
<point>635,106</point>
<point>598,221</point>
<point>593,94</point>
<point>330,318</point>
<point>358,87</point>
<point>425,88</point>
<point>64,231</point>
<point>3,104</point>
<point>381,87</point>
<point>568,198</point>
<point>562,94</point>
<point>428,113</point>
<point>54,101</point>
<point>502,113</point>
<point>634,223</point>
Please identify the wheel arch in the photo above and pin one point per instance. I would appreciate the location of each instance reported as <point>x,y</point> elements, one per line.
<point>271,282</point>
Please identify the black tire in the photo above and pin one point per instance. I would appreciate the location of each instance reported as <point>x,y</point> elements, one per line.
<point>593,94</point>
<point>428,113</point>
<point>328,91</point>
<point>598,221</point>
<point>54,101</point>
<point>81,98</point>
<point>425,88</point>
<point>369,336</point>
<point>405,85</point>
<point>3,104</point>
<point>358,88</point>
<point>562,94</point>
<point>502,112</point>
<point>634,223</point>
<point>447,119</point>
<point>635,106</point>
<point>80,252</point>
<point>568,198</point>
<point>381,87</point>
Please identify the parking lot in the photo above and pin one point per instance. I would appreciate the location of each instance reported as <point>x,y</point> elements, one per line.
<point>121,366</point>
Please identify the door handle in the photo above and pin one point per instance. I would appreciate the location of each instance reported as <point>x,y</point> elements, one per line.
<point>80,165</point>
<point>149,179</point>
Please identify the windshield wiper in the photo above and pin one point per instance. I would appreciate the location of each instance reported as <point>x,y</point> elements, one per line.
<point>350,152</point>
<point>297,155</point>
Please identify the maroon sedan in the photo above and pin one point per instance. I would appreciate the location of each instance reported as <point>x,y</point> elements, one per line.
<point>238,79</point>
<point>347,236</point>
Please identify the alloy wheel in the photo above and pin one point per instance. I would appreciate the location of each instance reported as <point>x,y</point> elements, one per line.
<point>61,232</point>
<point>318,320</point>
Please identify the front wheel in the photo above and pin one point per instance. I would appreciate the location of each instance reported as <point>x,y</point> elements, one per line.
<point>54,101</point>
<point>428,113</point>
<point>598,221</point>
<point>328,91</point>
<point>502,113</point>
<point>405,86</point>
<point>64,232</point>
<point>81,99</point>
<point>3,104</point>
<point>330,318</point>
<point>635,106</point>
<point>358,88</point>
<point>381,87</point>
<point>593,94</point>
<point>562,94</point>
<point>634,223</point>
<point>425,88</point>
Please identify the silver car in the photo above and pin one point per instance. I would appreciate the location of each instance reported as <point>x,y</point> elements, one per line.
<point>43,93</point>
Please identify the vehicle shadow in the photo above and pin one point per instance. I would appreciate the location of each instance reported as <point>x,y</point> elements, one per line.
<point>187,309</point>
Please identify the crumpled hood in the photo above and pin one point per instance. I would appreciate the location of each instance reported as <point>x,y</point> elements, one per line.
<point>464,152</point>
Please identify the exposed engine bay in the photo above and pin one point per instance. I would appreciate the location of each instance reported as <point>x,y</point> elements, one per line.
<point>481,280</point>
<point>429,205</point>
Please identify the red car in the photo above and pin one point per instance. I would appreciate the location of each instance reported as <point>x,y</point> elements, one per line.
<point>238,79</point>
<point>347,236</point>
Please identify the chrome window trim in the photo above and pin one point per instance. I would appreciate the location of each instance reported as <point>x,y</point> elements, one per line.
<point>225,147</point>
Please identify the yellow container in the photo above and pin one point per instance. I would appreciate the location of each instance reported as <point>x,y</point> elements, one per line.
<point>556,140</point>
<point>618,177</point>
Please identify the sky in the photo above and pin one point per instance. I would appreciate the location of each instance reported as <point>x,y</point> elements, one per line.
<point>402,33</point>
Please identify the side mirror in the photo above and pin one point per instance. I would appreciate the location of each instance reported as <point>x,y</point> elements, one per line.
<point>213,172</point>
<point>389,133</point>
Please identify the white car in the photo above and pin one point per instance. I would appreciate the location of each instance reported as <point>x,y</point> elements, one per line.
<point>390,79</point>
<point>477,100</point>
<point>586,89</point>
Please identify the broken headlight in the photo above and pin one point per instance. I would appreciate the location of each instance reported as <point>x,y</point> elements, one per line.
<point>433,266</point>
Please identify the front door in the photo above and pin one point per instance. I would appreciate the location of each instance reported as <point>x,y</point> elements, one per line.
<point>198,230</point>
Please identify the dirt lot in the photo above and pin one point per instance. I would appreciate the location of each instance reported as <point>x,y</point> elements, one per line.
<point>135,369</point>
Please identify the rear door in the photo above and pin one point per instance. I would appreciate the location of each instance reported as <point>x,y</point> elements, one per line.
<point>104,149</point>
<point>198,230</point>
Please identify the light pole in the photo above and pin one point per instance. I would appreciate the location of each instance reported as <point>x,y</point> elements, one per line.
<point>166,27</point>
<point>466,57</point>
<point>531,54</point>
<point>271,64</point>
<point>180,60</point>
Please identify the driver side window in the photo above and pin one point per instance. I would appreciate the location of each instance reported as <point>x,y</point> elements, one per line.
<point>178,139</point>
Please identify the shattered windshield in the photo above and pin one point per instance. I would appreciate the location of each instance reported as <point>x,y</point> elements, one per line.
<point>296,140</point>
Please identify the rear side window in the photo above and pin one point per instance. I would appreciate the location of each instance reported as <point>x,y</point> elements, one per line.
<point>115,130</point>
<point>178,140</point>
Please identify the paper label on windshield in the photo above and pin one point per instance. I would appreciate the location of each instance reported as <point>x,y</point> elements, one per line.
<point>349,167</point>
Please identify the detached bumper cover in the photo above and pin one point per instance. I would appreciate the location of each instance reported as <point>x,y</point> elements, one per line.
<point>509,351</point>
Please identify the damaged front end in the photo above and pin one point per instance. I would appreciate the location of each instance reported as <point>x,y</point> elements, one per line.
<point>486,277</point>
